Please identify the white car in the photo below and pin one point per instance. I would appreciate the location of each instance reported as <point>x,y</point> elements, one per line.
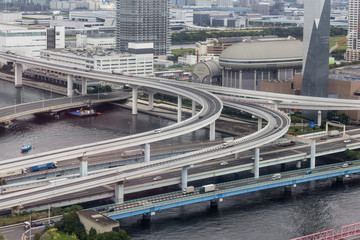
<point>224,163</point>
<point>157,178</point>
<point>347,140</point>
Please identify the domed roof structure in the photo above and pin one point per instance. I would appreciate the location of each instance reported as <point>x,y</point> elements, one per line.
<point>270,54</point>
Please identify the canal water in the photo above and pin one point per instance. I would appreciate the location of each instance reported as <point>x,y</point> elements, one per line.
<point>269,214</point>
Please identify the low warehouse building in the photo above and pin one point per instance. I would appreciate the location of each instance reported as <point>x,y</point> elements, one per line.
<point>101,223</point>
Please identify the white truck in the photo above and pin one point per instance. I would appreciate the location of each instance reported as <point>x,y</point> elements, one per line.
<point>189,189</point>
<point>133,152</point>
<point>12,172</point>
<point>334,133</point>
<point>207,188</point>
<point>228,143</point>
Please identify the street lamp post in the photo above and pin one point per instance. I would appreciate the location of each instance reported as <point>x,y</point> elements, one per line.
<point>14,105</point>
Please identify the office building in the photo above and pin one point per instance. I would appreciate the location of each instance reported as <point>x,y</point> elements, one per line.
<point>353,42</point>
<point>143,21</point>
<point>139,60</point>
<point>29,41</point>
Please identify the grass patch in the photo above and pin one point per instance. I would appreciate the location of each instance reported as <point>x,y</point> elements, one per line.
<point>183,51</point>
<point>334,40</point>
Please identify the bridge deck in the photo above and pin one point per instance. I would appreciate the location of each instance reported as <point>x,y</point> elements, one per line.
<point>175,199</point>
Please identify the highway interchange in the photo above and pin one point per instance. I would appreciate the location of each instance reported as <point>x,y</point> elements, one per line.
<point>277,125</point>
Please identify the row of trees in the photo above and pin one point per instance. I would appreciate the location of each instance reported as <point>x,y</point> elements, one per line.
<point>70,227</point>
<point>195,36</point>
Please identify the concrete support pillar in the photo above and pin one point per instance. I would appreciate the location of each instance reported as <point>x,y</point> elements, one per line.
<point>151,101</point>
<point>287,190</point>
<point>276,105</point>
<point>70,85</point>
<point>214,203</point>
<point>279,72</point>
<point>146,218</point>
<point>240,79</point>
<point>237,155</point>
<point>184,178</point>
<point>18,74</point>
<point>84,87</point>
<point>339,179</point>
<point>268,75</point>
<point>257,163</point>
<point>223,78</point>
<point>259,124</point>
<point>83,166</point>
<point>262,75</point>
<point>298,164</point>
<point>283,167</point>
<point>147,153</point>
<point>285,75</point>
<point>312,159</point>
<point>179,109</point>
<point>134,99</point>
<point>319,119</point>
<point>193,108</point>
<point>212,131</point>
<point>119,192</point>
<point>255,80</point>
<point>15,211</point>
<point>228,83</point>
<point>327,128</point>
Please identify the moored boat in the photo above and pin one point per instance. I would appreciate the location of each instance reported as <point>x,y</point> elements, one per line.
<point>84,112</point>
<point>25,148</point>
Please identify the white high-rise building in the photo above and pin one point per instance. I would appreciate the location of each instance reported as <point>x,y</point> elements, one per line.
<point>29,41</point>
<point>353,42</point>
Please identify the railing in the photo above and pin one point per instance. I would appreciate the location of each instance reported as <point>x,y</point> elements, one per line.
<point>146,202</point>
<point>344,232</point>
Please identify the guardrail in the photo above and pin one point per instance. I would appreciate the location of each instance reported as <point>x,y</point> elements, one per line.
<point>227,192</point>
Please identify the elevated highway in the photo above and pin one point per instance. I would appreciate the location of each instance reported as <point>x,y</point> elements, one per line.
<point>265,135</point>
<point>227,189</point>
<point>277,125</point>
<point>10,113</point>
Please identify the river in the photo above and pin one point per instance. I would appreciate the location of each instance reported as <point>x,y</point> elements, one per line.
<point>269,214</point>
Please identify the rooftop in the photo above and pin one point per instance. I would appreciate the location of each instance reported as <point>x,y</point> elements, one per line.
<point>97,218</point>
<point>344,77</point>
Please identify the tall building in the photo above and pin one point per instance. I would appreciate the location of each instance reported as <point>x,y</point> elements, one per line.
<point>353,42</point>
<point>316,49</point>
<point>143,21</point>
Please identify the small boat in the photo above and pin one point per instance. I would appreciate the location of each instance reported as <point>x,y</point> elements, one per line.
<point>25,148</point>
<point>84,113</point>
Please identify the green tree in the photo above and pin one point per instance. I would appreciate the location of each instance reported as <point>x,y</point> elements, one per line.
<point>351,155</point>
<point>92,234</point>
<point>37,236</point>
<point>6,68</point>
<point>344,118</point>
<point>121,235</point>
<point>71,224</point>
<point>2,237</point>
